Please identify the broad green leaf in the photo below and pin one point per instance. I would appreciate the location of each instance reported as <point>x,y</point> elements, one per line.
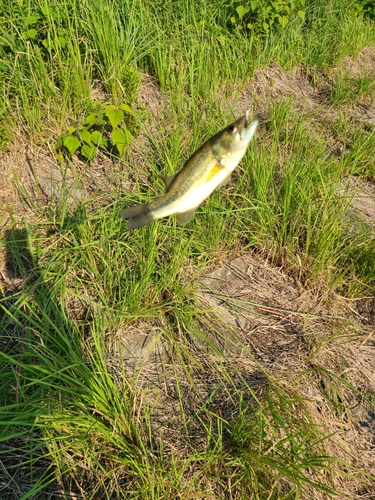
<point>242,10</point>
<point>99,139</point>
<point>222,39</point>
<point>127,109</point>
<point>88,151</point>
<point>121,138</point>
<point>301,14</point>
<point>62,41</point>
<point>90,119</point>
<point>60,140</point>
<point>85,135</point>
<point>101,119</point>
<point>31,33</point>
<point>46,10</point>
<point>31,20</point>
<point>114,115</point>
<point>283,20</point>
<point>72,143</point>
<point>71,130</point>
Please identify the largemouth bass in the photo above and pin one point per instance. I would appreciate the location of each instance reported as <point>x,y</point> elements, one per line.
<point>209,168</point>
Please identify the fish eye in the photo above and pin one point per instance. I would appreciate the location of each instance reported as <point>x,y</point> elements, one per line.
<point>232,129</point>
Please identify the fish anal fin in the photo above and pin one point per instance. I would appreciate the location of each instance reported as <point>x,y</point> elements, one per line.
<point>184,217</point>
<point>140,221</point>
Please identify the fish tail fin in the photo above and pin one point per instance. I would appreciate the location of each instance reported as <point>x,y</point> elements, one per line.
<point>139,215</point>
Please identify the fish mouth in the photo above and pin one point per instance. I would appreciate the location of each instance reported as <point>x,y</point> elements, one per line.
<point>246,124</point>
<point>247,127</point>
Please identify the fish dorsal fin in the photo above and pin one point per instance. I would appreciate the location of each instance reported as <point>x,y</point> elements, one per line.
<point>167,180</point>
<point>184,217</point>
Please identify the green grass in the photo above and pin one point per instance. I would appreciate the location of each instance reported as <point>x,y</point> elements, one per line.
<point>200,428</point>
<point>102,429</point>
<point>348,90</point>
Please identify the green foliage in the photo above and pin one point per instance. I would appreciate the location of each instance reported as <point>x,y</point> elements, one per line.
<point>44,27</point>
<point>366,8</point>
<point>110,130</point>
<point>66,389</point>
<point>53,56</point>
<point>3,138</point>
<point>284,182</point>
<point>328,32</point>
<point>59,396</point>
<point>348,89</point>
<point>261,16</point>
<point>38,30</point>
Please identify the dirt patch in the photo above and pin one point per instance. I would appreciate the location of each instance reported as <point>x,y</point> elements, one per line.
<point>309,343</point>
<point>363,204</point>
<point>362,64</point>
<point>306,341</point>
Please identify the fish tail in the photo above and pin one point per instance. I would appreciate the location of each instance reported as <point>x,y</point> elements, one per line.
<point>139,215</point>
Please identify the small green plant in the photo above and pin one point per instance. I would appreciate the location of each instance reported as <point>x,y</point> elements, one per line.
<point>366,8</point>
<point>109,130</point>
<point>261,16</point>
<point>39,30</point>
<point>44,28</point>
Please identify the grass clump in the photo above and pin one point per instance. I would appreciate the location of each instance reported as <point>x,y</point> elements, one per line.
<point>348,90</point>
<point>92,420</point>
<point>44,46</point>
<point>102,427</point>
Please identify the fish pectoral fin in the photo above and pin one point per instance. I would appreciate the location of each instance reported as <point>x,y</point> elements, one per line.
<point>225,181</point>
<point>184,217</point>
<point>167,180</point>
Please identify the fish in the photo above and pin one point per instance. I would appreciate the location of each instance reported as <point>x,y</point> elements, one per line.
<point>209,168</point>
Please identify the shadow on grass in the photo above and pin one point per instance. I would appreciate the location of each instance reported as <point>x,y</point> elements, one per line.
<point>38,344</point>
